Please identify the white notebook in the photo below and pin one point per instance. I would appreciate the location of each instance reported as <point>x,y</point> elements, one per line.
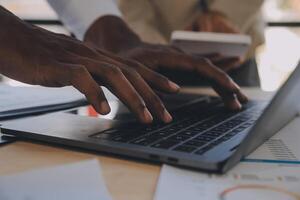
<point>231,45</point>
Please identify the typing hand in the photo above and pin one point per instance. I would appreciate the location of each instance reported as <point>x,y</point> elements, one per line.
<point>225,63</point>
<point>35,56</point>
<point>112,34</point>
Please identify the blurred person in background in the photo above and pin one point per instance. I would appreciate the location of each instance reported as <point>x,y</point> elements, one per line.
<point>141,29</point>
<point>33,55</point>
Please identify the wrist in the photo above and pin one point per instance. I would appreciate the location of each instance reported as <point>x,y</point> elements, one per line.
<point>111,33</point>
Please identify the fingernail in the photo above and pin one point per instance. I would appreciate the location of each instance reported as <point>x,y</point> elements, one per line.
<point>104,107</point>
<point>167,117</point>
<point>238,105</point>
<point>236,85</point>
<point>174,86</point>
<point>147,116</point>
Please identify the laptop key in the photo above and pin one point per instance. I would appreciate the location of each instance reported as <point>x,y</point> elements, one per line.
<point>213,133</point>
<point>201,151</point>
<point>195,143</point>
<point>125,137</point>
<point>145,141</point>
<point>162,133</point>
<point>178,137</point>
<point>205,149</point>
<point>184,148</point>
<point>165,144</point>
<point>189,133</point>
<point>204,138</point>
<point>196,128</point>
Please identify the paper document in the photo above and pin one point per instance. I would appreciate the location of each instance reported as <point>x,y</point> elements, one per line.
<point>77,181</point>
<point>282,148</point>
<point>270,183</point>
<point>29,100</point>
<point>270,172</point>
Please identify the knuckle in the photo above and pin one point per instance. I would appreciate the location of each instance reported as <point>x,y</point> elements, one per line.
<point>133,64</point>
<point>113,71</point>
<point>77,72</point>
<point>226,80</point>
<point>162,79</point>
<point>205,61</point>
<point>140,106</point>
<point>133,73</point>
<point>154,99</point>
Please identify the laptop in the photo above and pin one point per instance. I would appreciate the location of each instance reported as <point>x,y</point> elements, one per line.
<point>203,136</point>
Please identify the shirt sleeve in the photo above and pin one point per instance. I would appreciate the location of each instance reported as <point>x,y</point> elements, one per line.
<point>79,15</point>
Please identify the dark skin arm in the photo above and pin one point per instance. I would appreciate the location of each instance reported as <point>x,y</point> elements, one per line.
<point>112,34</point>
<point>39,57</point>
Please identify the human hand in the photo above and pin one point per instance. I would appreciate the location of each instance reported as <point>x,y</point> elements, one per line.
<point>112,34</point>
<point>212,21</point>
<point>35,56</point>
<point>215,21</point>
<point>225,63</point>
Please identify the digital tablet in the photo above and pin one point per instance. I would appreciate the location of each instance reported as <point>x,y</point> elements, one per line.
<point>231,45</point>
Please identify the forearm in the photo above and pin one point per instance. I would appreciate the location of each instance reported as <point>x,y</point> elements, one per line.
<point>9,23</point>
<point>111,33</point>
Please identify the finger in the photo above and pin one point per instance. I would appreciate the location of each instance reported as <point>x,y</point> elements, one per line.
<point>222,84</point>
<point>225,27</point>
<point>230,99</point>
<point>227,64</point>
<point>225,86</point>
<point>171,48</point>
<point>205,68</point>
<point>158,81</point>
<point>82,80</point>
<point>111,76</point>
<point>190,27</point>
<point>204,24</point>
<point>153,78</point>
<point>210,56</point>
<point>152,101</point>
<point>115,80</point>
<point>224,63</point>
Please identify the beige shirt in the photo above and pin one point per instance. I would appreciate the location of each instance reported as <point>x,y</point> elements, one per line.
<point>154,20</point>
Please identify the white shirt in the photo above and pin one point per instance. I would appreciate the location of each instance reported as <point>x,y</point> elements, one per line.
<point>79,15</point>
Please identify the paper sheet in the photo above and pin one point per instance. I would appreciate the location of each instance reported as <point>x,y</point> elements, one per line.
<point>77,181</point>
<point>270,172</point>
<point>282,148</point>
<point>244,183</point>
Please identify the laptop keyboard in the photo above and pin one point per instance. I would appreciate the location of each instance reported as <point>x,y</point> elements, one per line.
<point>190,132</point>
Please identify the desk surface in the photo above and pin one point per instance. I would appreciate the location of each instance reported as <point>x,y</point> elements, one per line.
<point>125,179</point>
